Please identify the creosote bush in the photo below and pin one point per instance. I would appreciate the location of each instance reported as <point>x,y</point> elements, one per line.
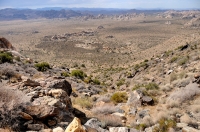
<point>78,73</point>
<point>6,57</point>
<point>149,86</point>
<point>43,66</point>
<point>165,125</point>
<point>119,97</point>
<point>65,74</point>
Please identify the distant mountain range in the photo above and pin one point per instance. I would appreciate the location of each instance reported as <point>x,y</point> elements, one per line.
<point>59,12</point>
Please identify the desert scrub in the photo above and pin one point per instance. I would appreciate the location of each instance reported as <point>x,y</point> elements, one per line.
<point>173,77</point>
<point>143,64</point>
<point>119,97</point>
<point>173,59</point>
<point>6,57</point>
<point>43,66</point>
<point>65,74</point>
<point>164,125</point>
<point>151,86</point>
<point>120,82</point>
<point>96,81</point>
<point>84,102</point>
<point>78,73</point>
<point>141,127</point>
<point>183,60</point>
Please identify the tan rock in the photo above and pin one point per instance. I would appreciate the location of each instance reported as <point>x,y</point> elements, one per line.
<point>58,129</point>
<point>75,126</point>
<point>26,116</point>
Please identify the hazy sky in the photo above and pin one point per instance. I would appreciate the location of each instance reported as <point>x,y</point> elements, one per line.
<point>130,4</point>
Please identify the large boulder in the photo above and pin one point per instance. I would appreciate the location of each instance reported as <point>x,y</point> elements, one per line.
<point>61,84</point>
<point>94,123</point>
<point>75,126</point>
<point>5,44</point>
<point>41,111</point>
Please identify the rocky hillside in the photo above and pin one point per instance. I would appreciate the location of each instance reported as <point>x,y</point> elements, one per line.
<point>157,95</point>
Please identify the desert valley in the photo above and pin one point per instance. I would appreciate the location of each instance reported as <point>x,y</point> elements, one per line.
<point>100,71</point>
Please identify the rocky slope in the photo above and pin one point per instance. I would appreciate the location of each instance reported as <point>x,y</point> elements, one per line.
<point>159,94</point>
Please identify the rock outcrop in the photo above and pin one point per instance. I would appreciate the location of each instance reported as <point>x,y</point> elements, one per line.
<point>5,44</point>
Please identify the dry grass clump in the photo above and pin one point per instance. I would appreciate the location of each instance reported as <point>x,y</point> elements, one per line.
<point>10,98</point>
<point>85,102</point>
<point>161,115</point>
<point>11,103</point>
<point>166,88</point>
<point>104,98</point>
<point>186,93</point>
<point>181,82</point>
<point>105,109</point>
<point>173,104</point>
<point>147,120</point>
<point>109,120</point>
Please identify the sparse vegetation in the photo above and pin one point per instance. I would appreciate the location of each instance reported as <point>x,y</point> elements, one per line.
<point>65,74</point>
<point>43,66</point>
<point>6,57</point>
<point>165,125</point>
<point>119,97</point>
<point>79,74</point>
<point>84,102</point>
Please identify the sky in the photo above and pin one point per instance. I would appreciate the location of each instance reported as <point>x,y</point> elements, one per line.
<point>122,4</point>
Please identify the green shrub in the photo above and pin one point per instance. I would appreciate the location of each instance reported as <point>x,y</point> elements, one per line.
<point>141,127</point>
<point>173,59</point>
<point>119,97</point>
<point>79,74</point>
<point>6,57</point>
<point>43,66</point>
<point>151,86</point>
<point>65,74</point>
<point>143,64</point>
<point>120,82</point>
<point>137,86</point>
<point>164,125</point>
<point>96,81</point>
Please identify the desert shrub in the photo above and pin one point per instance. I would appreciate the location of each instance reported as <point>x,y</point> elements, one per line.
<point>137,86</point>
<point>120,82</point>
<point>173,77</point>
<point>165,125</point>
<point>105,109</point>
<point>84,102</point>
<point>166,87</point>
<point>65,74</point>
<point>83,65</point>
<point>183,60</point>
<point>151,86</point>
<point>78,73</point>
<point>104,98</point>
<point>147,120</point>
<point>96,81</point>
<point>11,103</point>
<point>186,93</point>
<point>109,120</point>
<point>6,57</point>
<point>119,97</point>
<point>141,127</point>
<point>43,66</point>
<point>143,64</point>
<point>173,59</point>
